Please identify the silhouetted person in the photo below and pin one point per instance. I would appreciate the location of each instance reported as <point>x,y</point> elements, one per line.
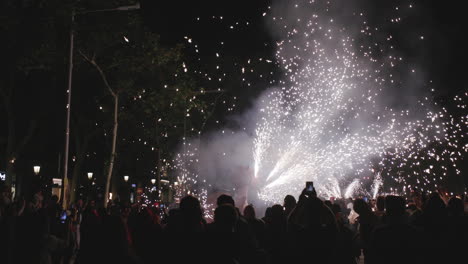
<point>435,224</point>
<point>314,231</point>
<point>245,233</point>
<point>380,208</point>
<point>33,228</point>
<point>191,214</point>
<point>457,229</point>
<point>116,240</point>
<point>395,241</point>
<point>289,204</point>
<point>275,235</point>
<point>256,225</point>
<point>366,223</point>
<point>91,234</point>
<point>346,248</point>
<point>267,217</point>
<point>184,232</point>
<point>147,234</point>
<point>224,242</point>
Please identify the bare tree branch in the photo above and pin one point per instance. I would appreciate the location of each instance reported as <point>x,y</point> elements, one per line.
<point>101,72</point>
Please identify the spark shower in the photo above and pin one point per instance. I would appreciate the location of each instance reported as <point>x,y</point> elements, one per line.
<point>330,120</point>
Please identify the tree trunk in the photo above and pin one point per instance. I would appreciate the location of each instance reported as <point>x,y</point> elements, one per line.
<point>114,143</point>
<point>14,147</point>
<point>115,95</point>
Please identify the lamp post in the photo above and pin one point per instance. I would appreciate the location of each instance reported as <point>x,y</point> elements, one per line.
<point>69,90</point>
<point>153,181</point>
<point>37,169</point>
<point>126,177</point>
<point>90,185</point>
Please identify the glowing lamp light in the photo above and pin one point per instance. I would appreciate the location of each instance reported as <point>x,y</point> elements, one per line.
<point>37,169</point>
<point>126,178</point>
<point>153,181</point>
<point>90,175</point>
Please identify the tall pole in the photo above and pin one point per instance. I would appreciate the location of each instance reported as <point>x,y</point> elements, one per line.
<point>158,172</point>
<point>65,186</point>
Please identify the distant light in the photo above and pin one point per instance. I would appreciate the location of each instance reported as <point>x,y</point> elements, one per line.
<point>153,181</point>
<point>126,178</point>
<point>90,175</point>
<point>126,39</point>
<point>37,169</point>
<point>57,181</point>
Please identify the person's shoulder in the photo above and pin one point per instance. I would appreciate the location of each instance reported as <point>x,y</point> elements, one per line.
<point>259,221</point>
<point>242,221</point>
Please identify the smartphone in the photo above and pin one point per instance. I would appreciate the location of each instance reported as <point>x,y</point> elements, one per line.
<point>309,186</point>
<point>63,217</point>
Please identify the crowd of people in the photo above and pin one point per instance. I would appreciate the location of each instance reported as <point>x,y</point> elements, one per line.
<point>391,229</point>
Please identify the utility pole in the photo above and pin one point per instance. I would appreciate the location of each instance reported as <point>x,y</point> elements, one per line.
<point>65,184</point>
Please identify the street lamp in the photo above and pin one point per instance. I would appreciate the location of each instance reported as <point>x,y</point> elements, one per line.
<point>70,77</point>
<point>153,181</point>
<point>126,178</point>
<point>37,169</point>
<point>90,175</point>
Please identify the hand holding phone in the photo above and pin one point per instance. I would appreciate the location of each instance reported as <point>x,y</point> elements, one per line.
<point>310,190</point>
<point>63,217</point>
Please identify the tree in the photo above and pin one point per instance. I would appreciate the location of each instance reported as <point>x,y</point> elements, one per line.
<point>145,81</point>
<point>29,53</point>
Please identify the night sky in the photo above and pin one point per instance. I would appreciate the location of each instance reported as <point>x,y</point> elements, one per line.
<point>441,56</point>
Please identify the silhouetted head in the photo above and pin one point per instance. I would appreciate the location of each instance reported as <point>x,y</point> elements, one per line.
<point>190,207</point>
<point>289,202</point>
<point>361,207</point>
<point>278,217</point>
<point>395,206</point>
<point>380,203</point>
<point>249,212</point>
<point>36,201</point>
<point>54,199</point>
<point>434,204</point>
<point>268,212</point>
<point>226,216</point>
<point>225,199</point>
<point>455,207</point>
<point>434,211</point>
<point>314,209</point>
<point>277,211</point>
<point>336,208</point>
